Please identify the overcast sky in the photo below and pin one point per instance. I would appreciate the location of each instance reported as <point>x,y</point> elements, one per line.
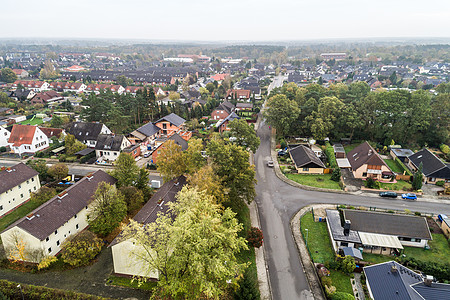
<point>203,20</point>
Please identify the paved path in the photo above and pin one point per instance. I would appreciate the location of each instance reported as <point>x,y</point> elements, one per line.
<point>278,202</point>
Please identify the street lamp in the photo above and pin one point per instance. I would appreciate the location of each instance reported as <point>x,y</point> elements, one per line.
<point>306,229</point>
<point>21,291</point>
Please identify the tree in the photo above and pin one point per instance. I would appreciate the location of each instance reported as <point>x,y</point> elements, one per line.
<point>418,178</point>
<point>244,134</point>
<point>336,175</point>
<point>108,209</point>
<point>171,163</point>
<point>125,170</point>
<point>174,96</point>
<point>348,264</point>
<point>207,181</point>
<point>48,71</point>
<point>43,195</point>
<point>134,198</point>
<point>281,113</point>
<point>124,81</point>
<point>7,75</point>
<point>58,171</point>
<point>193,157</point>
<point>183,250</point>
<point>73,145</point>
<point>79,250</point>
<point>231,163</point>
<point>39,166</point>
<point>56,121</point>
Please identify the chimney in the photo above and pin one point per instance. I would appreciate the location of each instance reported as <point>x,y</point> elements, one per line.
<point>347,225</point>
<point>428,280</point>
<point>393,268</point>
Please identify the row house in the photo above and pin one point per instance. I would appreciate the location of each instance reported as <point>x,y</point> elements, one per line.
<point>77,87</point>
<point>36,86</point>
<point>96,88</point>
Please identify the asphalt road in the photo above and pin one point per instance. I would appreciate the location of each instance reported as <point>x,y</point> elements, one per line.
<point>277,82</point>
<point>278,201</point>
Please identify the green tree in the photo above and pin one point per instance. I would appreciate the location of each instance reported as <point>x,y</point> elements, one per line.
<point>281,113</point>
<point>206,180</point>
<point>7,75</point>
<point>171,161</point>
<point>73,145</point>
<point>418,178</point>
<point>183,250</point>
<point>231,163</point>
<point>124,81</point>
<point>43,195</point>
<point>58,171</point>
<point>125,170</point>
<point>133,197</point>
<point>348,264</point>
<point>107,211</point>
<point>244,134</point>
<point>56,121</point>
<point>48,71</point>
<point>40,166</point>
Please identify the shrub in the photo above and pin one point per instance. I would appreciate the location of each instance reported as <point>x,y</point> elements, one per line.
<point>248,287</point>
<point>330,290</point>
<point>342,296</point>
<point>440,183</point>
<point>2,149</point>
<point>43,195</point>
<point>326,281</point>
<point>445,149</point>
<point>46,262</point>
<point>283,144</point>
<point>370,183</point>
<point>417,213</point>
<point>255,237</point>
<point>336,175</point>
<point>81,249</point>
<point>348,264</point>
<point>440,270</point>
<point>329,152</point>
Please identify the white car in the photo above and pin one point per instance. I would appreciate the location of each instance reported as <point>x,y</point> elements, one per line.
<point>147,154</point>
<point>270,164</point>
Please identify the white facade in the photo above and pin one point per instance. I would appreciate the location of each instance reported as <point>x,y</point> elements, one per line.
<point>111,155</point>
<point>39,142</point>
<point>19,194</point>
<point>4,137</point>
<point>126,262</point>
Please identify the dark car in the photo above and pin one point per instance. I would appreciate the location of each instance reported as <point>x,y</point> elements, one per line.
<point>388,194</point>
<point>282,153</point>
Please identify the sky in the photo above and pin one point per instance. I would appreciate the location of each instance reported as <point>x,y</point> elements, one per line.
<point>226,20</point>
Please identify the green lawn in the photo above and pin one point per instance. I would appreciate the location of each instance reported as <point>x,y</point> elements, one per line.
<point>130,283</point>
<point>376,258</point>
<point>350,147</point>
<point>341,281</point>
<point>400,185</point>
<point>34,121</point>
<point>439,252</point>
<point>395,167</point>
<point>321,181</point>
<point>18,213</point>
<point>319,243</point>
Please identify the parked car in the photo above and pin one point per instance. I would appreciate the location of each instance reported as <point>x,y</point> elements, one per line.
<point>147,154</point>
<point>409,196</point>
<point>282,153</point>
<point>270,164</point>
<point>388,194</point>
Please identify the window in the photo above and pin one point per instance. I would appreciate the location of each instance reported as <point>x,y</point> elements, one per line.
<point>344,244</point>
<point>76,226</point>
<point>75,216</point>
<point>1,207</point>
<point>305,169</point>
<point>47,239</point>
<point>21,195</point>
<point>20,186</point>
<point>49,250</point>
<point>57,243</point>
<point>32,179</point>
<point>56,231</point>
<point>364,174</point>
<point>28,182</point>
<point>34,188</point>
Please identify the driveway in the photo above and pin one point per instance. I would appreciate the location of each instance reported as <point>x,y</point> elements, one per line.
<point>353,184</point>
<point>278,202</point>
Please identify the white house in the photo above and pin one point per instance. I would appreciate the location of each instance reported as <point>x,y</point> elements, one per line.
<point>45,229</point>
<point>16,185</point>
<point>126,254</point>
<point>27,139</point>
<point>87,133</point>
<point>109,146</point>
<point>4,136</point>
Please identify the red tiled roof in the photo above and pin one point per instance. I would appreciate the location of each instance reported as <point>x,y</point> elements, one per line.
<point>219,77</point>
<point>22,134</point>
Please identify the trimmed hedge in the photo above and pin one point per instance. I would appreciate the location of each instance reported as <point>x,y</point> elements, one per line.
<point>329,152</point>
<point>31,292</point>
<point>408,172</point>
<point>439,270</point>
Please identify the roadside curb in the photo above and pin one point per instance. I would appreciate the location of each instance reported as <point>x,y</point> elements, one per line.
<point>308,267</point>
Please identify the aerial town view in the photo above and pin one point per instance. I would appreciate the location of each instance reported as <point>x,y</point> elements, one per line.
<point>239,150</point>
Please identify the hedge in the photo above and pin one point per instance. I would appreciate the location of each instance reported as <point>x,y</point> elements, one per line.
<point>31,292</point>
<point>408,172</point>
<point>329,152</point>
<point>439,270</point>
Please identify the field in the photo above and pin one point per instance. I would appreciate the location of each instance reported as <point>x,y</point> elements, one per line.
<point>321,181</point>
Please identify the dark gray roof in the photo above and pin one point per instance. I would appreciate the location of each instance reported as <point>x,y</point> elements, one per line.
<point>364,154</point>
<point>337,231</point>
<point>179,141</point>
<point>85,151</point>
<point>85,131</point>
<point>173,119</point>
<point>51,215</point>
<point>443,173</point>
<point>109,142</point>
<point>437,291</point>
<point>305,157</point>
<point>229,118</point>
<point>158,203</point>
<point>402,152</point>
<point>149,129</point>
<point>352,252</point>
<point>226,106</point>
<point>389,224</point>
<point>12,176</point>
<point>386,285</point>
<point>429,161</point>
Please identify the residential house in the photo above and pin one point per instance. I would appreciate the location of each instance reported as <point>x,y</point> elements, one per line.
<point>133,150</point>
<point>401,154</point>
<point>36,86</point>
<point>21,73</point>
<point>53,133</point>
<point>171,124</point>
<point>239,94</point>
<point>366,162</point>
<point>391,280</point>
<point>222,125</point>
<point>87,133</point>
<point>109,146</point>
<point>126,254</point>
<point>16,185</point>
<point>46,228</point>
<point>27,139</point>
<point>223,110</point>
<point>433,168</point>
<point>306,161</point>
<point>244,106</point>
<point>22,94</point>
<point>6,111</point>
<point>219,77</point>
<point>4,137</point>
<point>45,97</point>
<point>145,134</point>
<point>161,141</point>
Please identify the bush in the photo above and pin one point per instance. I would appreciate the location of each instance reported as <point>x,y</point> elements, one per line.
<point>336,175</point>
<point>81,249</point>
<point>248,288</point>
<point>439,270</point>
<point>440,183</point>
<point>329,152</point>
<point>2,149</point>
<point>283,144</point>
<point>445,149</point>
<point>418,213</point>
<point>370,183</point>
<point>255,237</point>
<point>46,262</point>
<point>348,264</point>
<point>58,171</point>
<point>342,296</point>
<point>43,195</point>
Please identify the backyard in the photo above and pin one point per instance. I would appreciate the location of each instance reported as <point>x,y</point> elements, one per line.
<point>440,250</point>
<point>33,121</point>
<point>316,180</point>
<point>394,166</point>
<point>400,185</point>
<point>318,241</point>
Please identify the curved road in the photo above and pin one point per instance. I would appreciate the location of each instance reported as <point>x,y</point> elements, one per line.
<point>278,201</point>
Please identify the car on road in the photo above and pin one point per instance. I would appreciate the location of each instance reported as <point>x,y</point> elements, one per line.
<point>270,164</point>
<point>388,194</point>
<point>147,154</point>
<point>409,196</point>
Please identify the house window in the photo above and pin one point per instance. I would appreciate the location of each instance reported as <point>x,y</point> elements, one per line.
<point>1,207</point>
<point>34,188</point>
<point>364,174</point>
<point>305,169</point>
<point>29,191</point>
<point>32,179</point>
<point>49,250</point>
<point>76,226</point>
<point>47,239</point>
<point>57,243</point>
<point>344,244</point>
<point>21,195</point>
<point>28,182</point>
<point>56,231</point>
<point>75,216</point>
<point>20,186</point>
